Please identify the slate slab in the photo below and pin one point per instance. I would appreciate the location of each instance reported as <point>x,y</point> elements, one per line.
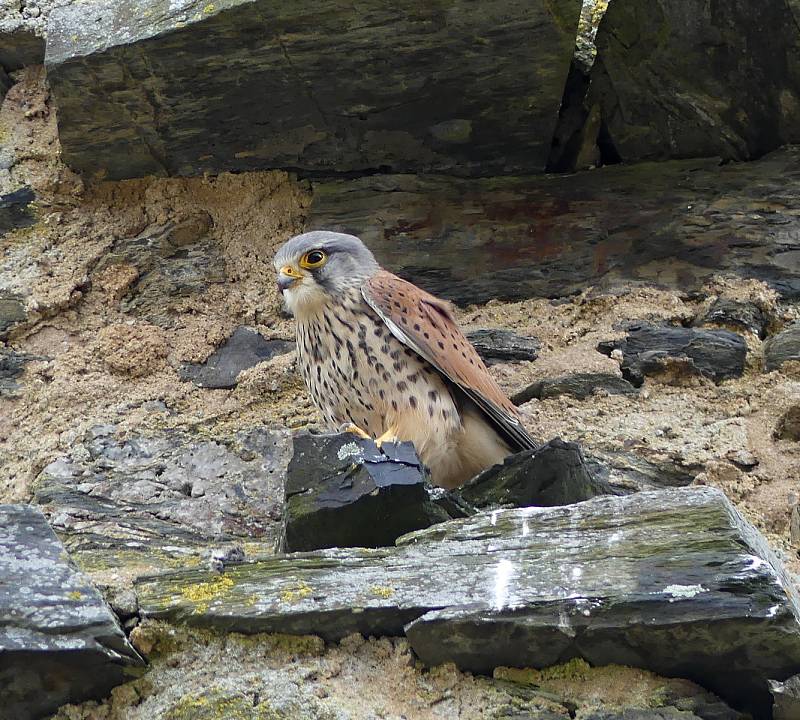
<point>735,315</point>
<point>578,385</point>
<point>12,311</point>
<point>650,349</point>
<point>59,641</point>
<point>629,471</point>
<point>344,491</point>
<point>150,87</point>
<point>554,474</point>
<point>244,349</point>
<point>674,581</point>
<point>673,223</point>
<point>15,211</point>
<point>783,347</point>
<point>496,344</point>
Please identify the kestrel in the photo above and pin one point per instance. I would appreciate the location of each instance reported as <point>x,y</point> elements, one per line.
<point>388,360</point>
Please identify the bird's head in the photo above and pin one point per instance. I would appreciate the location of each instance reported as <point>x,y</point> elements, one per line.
<point>318,267</point>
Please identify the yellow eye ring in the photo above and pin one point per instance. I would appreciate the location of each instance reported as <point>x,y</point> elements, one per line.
<point>313,259</point>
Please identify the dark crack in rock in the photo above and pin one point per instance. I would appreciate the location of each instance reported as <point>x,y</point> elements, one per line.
<point>554,474</point>
<point>736,316</point>
<point>498,345</point>
<point>59,641</point>
<point>344,491</point>
<point>650,349</point>
<point>163,500</point>
<point>783,347</point>
<point>244,349</point>
<point>579,385</point>
<point>15,211</point>
<point>675,581</point>
<point>145,87</point>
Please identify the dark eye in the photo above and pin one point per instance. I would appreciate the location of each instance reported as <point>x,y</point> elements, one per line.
<point>313,259</point>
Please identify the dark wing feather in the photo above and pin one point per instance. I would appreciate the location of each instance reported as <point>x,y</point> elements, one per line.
<point>427,326</point>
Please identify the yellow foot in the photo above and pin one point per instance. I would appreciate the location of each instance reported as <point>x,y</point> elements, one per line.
<point>388,437</point>
<point>355,430</point>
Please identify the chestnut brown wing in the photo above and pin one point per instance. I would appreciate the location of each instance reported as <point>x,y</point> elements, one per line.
<point>426,324</point>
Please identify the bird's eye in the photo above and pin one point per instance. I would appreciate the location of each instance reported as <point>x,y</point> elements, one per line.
<point>313,259</point>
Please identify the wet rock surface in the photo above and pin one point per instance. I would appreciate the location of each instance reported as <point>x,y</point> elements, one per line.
<point>59,641</point>
<point>580,386</point>
<point>688,79</point>
<point>554,474</point>
<point>648,349</point>
<point>185,116</point>
<point>674,223</point>
<point>344,491</point>
<point>783,347</point>
<point>675,581</point>
<point>244,349</point>
<point>495,344</point>
<point>151,502</point>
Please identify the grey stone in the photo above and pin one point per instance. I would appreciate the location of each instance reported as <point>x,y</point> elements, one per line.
<point>494,344</point>
<point>783,347</point>
<point>145,87</point>
<point>244,349</point>
<point>631,472</point>
<point>650,349</point>
<point>59,642</point>
<point>688,78</point>
<point>672,223</point>
<point>554,474</point>
<point>579,385</point>
<point>786,698</point>
<point>12,312</point>
<point>159,501</point>
<point>15,211</point>
<point>735,315</point>
<point>675,581</point>
<point>343,491</point>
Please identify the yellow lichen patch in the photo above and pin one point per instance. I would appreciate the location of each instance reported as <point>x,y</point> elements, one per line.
<point>208,9</point>
<point>381,591</point>
<point>75,595</point>
<point>296,592</point>
<point>202,594</point>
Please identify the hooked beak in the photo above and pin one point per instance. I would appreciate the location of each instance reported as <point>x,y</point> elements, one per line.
<point>287,277</point>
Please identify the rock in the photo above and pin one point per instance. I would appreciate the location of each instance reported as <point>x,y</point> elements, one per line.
<point>735,315</point>
<point>244,349</point>
<point>161,500</point>
<point>12,311</point>
<point>494,344</point>
<point>342,491</point>
<point>628,471</point>
<point>15,211</point>
<point>579,385</point>
<point>786,698</point>
<point>59,642</point>
<point>20,47</point>
<point>649,349</point>
<point>554,474</point>
<point>672,581</point>
<point>673,223</point>
<point>12,365</point>
<point>789,425</point>
<point>310,87</point>
<point>782,347</point>
<point>683,78</point>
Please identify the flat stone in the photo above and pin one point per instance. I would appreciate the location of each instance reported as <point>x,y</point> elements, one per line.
<point>554,474</point>
<point>682,78</point>
<point>783,347</point>
<point>165,500</point>
<point>15,211</point>
<point>147,87</point>
<point>674,223</point>
<point>650,349</point>
<point>494,344</point>
<point>344,491</point>
<point>244,349</point>
<point>628,471</point>
<point>59,641</point>
<point>675,581</point>
<point>736,316</point>
<point>579,385</point>
<point>786,697</point>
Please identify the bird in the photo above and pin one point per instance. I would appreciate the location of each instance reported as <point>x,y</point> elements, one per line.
<point>386,360</point>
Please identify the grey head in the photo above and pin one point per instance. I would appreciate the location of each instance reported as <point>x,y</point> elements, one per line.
<point>321,263</point>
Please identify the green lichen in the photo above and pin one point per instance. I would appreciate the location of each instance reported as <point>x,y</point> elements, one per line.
<point>201,594</point>
<point>209,705</point>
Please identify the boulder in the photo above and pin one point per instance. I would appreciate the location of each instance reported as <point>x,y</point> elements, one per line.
<point>579,385</point>
<point>688,78</point>
<point>650,349</point>
<point>344,491</point>
<point>783,347</point>
<point>244,349</point>
<point>497,345</point>
<point>675,581</point>
<point>145,87</point>
<point>672,223</point>
<point>59,641</point>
